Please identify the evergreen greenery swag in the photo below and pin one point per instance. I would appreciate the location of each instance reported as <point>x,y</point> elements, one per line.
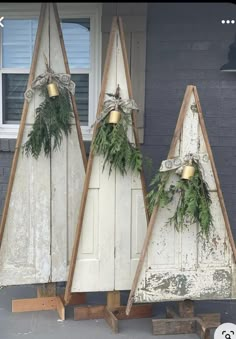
<point>53,115</point>
<point>111,140</point>
<point>193,204</point>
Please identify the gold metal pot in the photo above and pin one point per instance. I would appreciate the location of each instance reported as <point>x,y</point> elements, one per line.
<point>52,90</point>
<point>114,117</point>
<point>188,172</point>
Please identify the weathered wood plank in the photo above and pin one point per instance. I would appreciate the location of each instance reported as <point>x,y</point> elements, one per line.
<point>173,326</point>
<point>170,312</point>
<point>34,304</point>
<point>60,308</point>
<point>186,309</point>
<point>201,330</point>
<point>89,312</point>
<point>76,299</point>
<point>113,299</point>
<point>211,320</point>
<point>111,320</point>
<point>46,290</point>
<point>137,311</point>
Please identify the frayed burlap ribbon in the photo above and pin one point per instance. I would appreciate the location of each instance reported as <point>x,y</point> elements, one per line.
<point>61,79</point>
<point>179,162</point>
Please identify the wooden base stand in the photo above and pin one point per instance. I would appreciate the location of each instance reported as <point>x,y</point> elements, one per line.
<point>112,312</point>
<point>47,300</point>
<point>186,322</point>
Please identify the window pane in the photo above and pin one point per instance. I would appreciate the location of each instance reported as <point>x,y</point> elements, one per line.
<point>76,33</point>
<point>14,86</point>
<point>18,38</point>
<point>82,96</point>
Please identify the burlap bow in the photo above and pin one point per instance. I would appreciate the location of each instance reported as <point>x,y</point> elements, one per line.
<point>114,104</point>
<point>179,162</point>
<point>61,79</point>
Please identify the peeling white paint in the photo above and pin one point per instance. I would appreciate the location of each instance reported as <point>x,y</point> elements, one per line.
<point>181,265</point>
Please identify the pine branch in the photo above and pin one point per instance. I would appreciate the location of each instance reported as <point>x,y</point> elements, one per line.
<point>193,204</point>
<point>111,140</point>
<point>52,121</point>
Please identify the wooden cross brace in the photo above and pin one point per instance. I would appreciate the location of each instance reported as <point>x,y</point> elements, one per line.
<point>112,312</point>
<point>186,322</point>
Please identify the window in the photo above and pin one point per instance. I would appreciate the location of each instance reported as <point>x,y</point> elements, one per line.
<point>82,42</point>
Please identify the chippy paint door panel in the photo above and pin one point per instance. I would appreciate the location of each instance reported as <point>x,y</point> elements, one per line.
<point>25,251</point>
<point>67,179</point>
<point>94,269</point>
<point>131,223</point>
<point>115,222</point>
<point>183,265</point>
<point>46,195</point>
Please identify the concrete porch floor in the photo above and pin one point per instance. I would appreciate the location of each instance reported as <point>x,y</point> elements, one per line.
<point>47,325</point>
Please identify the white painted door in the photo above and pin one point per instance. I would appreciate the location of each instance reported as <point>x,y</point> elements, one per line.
<point>46,195</point>
<point>181,265</point>
<point>115,222</point>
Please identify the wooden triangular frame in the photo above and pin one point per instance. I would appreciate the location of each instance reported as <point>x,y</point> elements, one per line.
<point>26,107</point>
<point>116,24</point>
<point>189,91</point>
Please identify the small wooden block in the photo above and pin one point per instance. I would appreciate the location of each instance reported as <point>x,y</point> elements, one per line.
<point>113,299</point>
<point>173,326</point>
<point>34,304</point>
<point>211,320</point>
<point>46,290</point>
<point>201,330</point>
<point>60,308</point>
<point>76,299</point>
<point>111,320</point>
<point>89,312</point>
<point>186,309</point>
<point>170,313</point>
<point>137,311</point>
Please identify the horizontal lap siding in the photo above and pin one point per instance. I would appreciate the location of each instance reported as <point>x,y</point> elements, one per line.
<point>186,45</point>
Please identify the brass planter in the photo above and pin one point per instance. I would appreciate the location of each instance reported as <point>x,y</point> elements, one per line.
<point>52,90</point>
<point>114,117</point>
<point>188,172</point>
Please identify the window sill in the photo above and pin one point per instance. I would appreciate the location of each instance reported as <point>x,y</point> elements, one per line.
<point>11,131</point>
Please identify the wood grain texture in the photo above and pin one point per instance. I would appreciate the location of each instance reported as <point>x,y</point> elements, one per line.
<point>34,304</point>
<point>173,326</point>
<point>60,308</point>
<point>75,111</point>
<point>111,320</point>
<point>46,290</point>
<point>89,312</point>
<point>89,170</point>
<point>43,202</point>
<point>159,273</point>
<point>108,263</point>
<point>113,299</point>
<point>137,312</point>
<point>22,123</point>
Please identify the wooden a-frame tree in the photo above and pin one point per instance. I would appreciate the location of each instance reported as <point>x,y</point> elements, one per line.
<point>113,217</point>
<point>175,266</point>
<point>43,195</point>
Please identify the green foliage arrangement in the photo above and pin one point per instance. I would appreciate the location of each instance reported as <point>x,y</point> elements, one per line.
<point>111,140</point>
<point>53,118</point>
<point>194,200</point>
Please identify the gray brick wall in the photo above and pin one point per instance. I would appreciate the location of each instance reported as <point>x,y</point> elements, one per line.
<point>186,45</point>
